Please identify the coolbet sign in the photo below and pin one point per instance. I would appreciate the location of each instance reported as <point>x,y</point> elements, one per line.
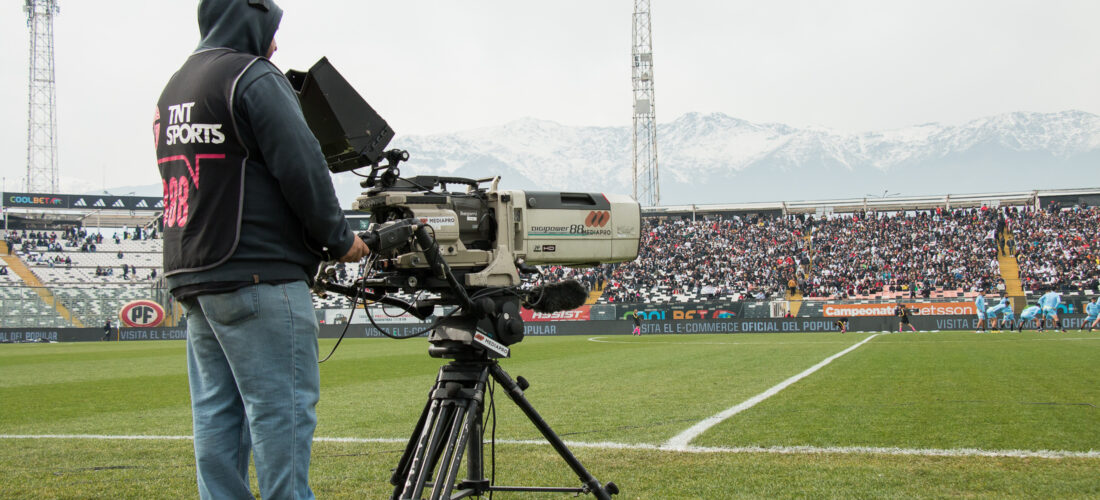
<point>80,202</point>
<point>919,309</point>
<point>20,200</point>
<point>675,314</point>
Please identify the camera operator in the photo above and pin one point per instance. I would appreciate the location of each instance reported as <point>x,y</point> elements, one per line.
<point>250,212</point>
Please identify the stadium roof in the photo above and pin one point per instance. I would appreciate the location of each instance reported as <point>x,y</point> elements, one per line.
<point>887,203</point>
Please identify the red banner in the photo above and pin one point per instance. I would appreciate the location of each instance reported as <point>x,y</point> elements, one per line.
<point>579,314</point>
<point>887,309</point>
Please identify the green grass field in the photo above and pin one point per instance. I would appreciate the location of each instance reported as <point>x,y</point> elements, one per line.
<point>930,415</point>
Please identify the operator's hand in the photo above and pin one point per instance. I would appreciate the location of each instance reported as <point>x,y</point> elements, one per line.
<point>357,251</point>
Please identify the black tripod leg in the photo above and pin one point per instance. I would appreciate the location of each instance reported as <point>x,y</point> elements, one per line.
<point>423,471</point>
<point>449,462</point>
<point>402,469</point>
<point>475,465</point>
<point>467,423</point>
<point>442,435</point>
<point>412,462</point>
<point>516,394</point>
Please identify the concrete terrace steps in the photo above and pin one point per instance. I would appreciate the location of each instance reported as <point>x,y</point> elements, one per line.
<point>594,296</point>
<point>1010,273</point>
<point>19,268</point>
<point>794,300</point>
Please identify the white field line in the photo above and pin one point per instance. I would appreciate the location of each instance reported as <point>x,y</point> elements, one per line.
<point>982,340</point>
<point>908,340</point>
<point>681,440</point>
<point>783,450</point>
<point>95,436</point>
<point>603,340</point>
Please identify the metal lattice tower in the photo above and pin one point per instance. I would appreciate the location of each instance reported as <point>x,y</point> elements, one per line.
<point>41,111</point>
<point>646,187</point>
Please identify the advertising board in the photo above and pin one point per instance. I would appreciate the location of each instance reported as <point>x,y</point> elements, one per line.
<point>887,309</point>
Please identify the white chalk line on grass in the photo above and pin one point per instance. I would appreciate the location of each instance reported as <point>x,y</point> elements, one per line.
<point>981,340</point>
<point>909,340</point>
<point>842,450</point>
<point>603,340</point>
<point>681,440</point>
<point>782,450</point>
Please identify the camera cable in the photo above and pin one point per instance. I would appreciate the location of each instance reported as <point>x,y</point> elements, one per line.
<point>354,302</point>
<point>370,317</point>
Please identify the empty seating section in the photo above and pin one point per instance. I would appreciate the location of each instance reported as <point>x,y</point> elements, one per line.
<point>90,284</point>
<point>95,304</point>
<point>20,306</point>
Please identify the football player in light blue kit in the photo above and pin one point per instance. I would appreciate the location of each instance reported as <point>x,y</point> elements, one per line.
<point>1029,313</point>
<point>979,305</point>
<point>1049,302</point>
<point>1092,309</point>
<point>992,313</point>
<point>1009,317</point>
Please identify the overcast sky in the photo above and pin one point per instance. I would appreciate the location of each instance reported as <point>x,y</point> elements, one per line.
<point>444,66</point>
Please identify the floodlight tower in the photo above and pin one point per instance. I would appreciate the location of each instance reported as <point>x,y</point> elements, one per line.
<point>41,111</point>
<point>646,187</point>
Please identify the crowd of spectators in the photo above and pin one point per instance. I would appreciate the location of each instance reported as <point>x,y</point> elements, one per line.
<point>835,256</point>
<point>854,255</point>
<point>752,256</point>
<point>915,252</point>
<point>1058,249</point>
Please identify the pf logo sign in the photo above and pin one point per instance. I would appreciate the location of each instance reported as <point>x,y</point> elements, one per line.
<point>141,314</point>
<point>597,218</point>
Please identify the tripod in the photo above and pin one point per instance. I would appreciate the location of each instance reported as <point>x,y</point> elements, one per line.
<point>452,418</point>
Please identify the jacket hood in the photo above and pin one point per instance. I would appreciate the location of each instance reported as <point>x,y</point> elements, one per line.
<point>242,25</point>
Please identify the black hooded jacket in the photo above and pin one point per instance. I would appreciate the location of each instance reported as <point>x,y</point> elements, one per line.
<point>290,211</point>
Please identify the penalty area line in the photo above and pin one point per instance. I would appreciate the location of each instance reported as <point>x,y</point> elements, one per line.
<point>777,450</point>
<point>680,441</point>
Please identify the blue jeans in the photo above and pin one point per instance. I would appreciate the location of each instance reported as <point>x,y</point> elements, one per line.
<point>252,366</point>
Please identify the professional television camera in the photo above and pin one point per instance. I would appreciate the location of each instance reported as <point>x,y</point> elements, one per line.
<point>468,247</point>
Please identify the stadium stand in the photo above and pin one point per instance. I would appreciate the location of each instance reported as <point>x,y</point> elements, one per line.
<point>1058,249</point>
<point>77,278</point>
<point>860,255</point>
<point>924,250</point>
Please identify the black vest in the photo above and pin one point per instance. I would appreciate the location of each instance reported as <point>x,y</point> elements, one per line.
<point>202,160</point>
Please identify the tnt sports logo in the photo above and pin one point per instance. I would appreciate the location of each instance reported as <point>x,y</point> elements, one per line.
<point>597,218</point>
<point>141,314</point>
<point>181,130</point>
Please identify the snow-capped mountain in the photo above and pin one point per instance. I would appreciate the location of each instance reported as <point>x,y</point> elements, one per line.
<point>715,158</point>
